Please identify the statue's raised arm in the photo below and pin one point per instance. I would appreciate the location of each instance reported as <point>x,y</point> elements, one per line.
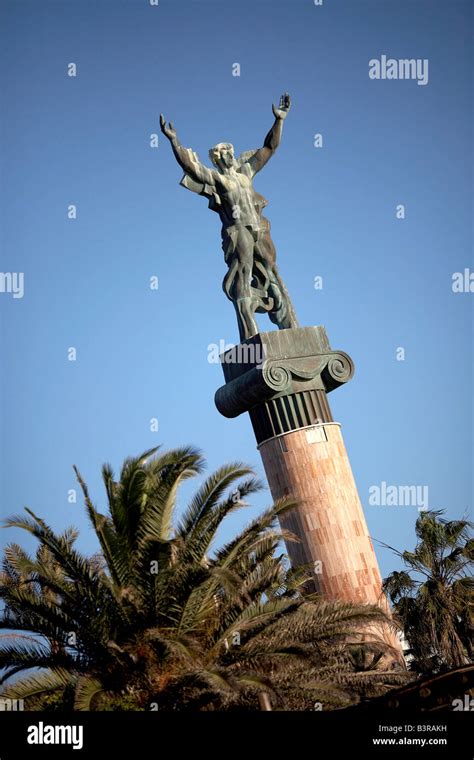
<point>185,157</point>
<point>272,140</point>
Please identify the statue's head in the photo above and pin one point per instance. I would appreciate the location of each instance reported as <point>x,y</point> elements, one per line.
<point>222,155</point>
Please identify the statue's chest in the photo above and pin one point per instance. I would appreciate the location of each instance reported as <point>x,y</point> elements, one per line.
<point>238,185</point>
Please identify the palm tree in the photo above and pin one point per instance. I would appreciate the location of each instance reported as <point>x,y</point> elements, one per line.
<point>163,620</point>
<point>434,598</point>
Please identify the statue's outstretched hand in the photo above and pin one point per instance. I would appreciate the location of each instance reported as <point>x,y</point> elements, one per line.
<point>167,129</point>
<point>282,111</point>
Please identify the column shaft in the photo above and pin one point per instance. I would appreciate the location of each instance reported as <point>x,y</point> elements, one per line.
<point>311,465</point>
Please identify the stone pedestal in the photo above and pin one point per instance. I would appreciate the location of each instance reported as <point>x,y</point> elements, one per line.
<point>282,379</point>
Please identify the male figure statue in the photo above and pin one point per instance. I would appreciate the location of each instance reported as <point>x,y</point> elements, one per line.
<point>252,282</point>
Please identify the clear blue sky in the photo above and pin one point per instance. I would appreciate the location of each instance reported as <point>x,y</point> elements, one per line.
<point>143,354</point>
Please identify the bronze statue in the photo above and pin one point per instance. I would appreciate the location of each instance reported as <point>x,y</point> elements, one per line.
<point>252,282</point>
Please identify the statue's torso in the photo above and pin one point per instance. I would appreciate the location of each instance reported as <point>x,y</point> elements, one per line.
<point>240,203</point>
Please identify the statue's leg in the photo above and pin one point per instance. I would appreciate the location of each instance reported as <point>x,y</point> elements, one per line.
<point>242,293</point>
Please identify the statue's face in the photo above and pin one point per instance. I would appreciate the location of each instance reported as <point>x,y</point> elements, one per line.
<point>222,155</point>
<point>227,155</point>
